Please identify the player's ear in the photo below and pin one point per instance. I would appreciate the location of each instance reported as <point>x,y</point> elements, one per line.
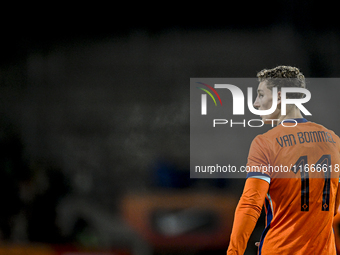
<point>279,97</point>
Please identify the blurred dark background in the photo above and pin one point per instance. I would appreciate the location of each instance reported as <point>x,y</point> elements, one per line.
<point>94,118</point>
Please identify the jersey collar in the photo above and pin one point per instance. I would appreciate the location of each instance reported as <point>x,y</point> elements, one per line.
<point>297,120</point>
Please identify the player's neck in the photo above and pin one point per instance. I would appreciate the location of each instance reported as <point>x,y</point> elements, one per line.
<point>293,113</point>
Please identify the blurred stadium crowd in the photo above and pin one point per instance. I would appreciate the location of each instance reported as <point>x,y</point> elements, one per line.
<point>94,128</point>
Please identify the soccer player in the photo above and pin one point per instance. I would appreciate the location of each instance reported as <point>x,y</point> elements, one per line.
<point>300,199</point>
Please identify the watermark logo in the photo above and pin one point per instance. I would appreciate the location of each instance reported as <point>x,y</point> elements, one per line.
<point>238,99</point>
<point>301,96</point>
<point>220,136</point>
<point>204,97</point>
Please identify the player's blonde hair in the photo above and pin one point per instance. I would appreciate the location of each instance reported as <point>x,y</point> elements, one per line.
<point>283,76</point>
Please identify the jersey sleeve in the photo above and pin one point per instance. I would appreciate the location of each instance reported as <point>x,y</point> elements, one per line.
<point>337,139</point>
<point>247,213</point>
<point>258,160</point>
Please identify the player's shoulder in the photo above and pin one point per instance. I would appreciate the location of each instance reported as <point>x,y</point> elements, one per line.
<point>264,139</point>
<point>317,126</point>
<point>268,135</point>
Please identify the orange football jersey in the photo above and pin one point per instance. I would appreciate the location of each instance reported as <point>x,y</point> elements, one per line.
<point>300,160</point>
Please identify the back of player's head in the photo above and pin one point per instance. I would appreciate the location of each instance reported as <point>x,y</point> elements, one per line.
<point>283,76</point>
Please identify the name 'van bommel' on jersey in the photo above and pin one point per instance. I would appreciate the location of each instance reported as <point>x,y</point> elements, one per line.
<point>305,137</point>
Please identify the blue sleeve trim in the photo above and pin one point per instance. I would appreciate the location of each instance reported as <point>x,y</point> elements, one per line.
<point>260,176</point>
